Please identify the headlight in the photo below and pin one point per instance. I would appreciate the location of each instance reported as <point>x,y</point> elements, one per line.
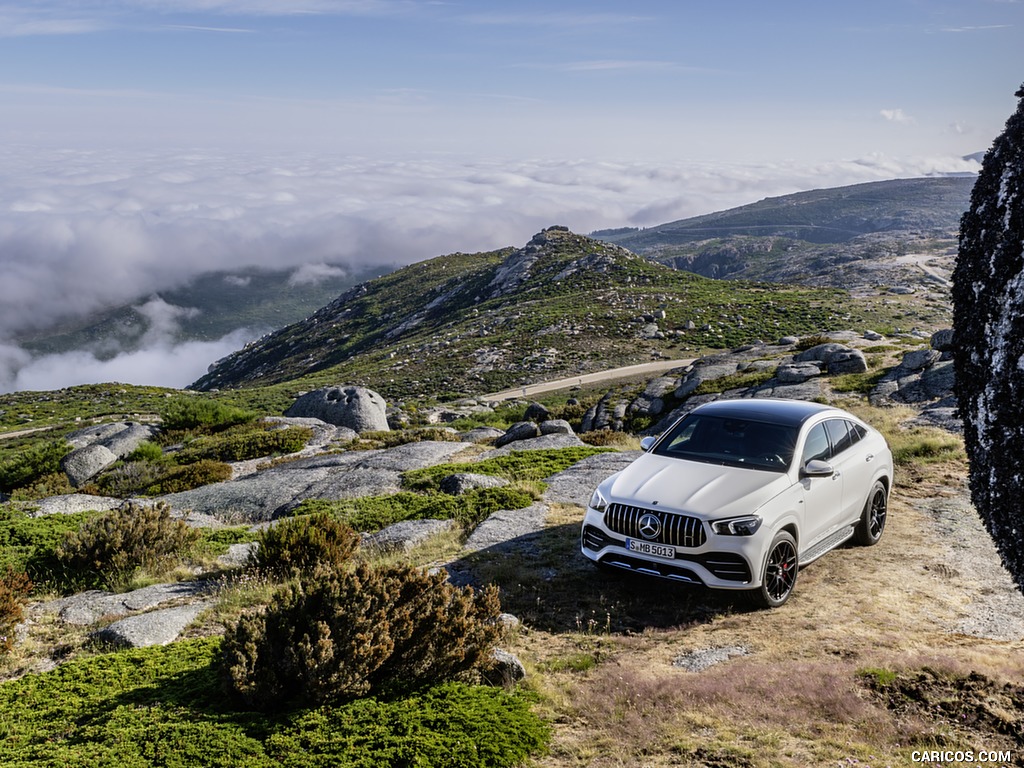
<point>737,526</point>
<point>598,502</point>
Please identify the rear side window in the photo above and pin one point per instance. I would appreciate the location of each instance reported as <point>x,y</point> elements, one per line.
<point>839,433</point>
<point>857,432</point>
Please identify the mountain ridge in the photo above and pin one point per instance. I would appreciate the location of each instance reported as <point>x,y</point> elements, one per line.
<point>562,305</point>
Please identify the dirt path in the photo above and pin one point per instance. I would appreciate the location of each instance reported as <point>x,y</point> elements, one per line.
<point>588,378</point>
<point>23,432</point>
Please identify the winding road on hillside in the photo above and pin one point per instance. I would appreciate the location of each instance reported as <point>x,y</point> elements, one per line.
<point>658,366</point>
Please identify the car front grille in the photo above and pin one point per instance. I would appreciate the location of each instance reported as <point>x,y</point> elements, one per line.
<point>677,530</point>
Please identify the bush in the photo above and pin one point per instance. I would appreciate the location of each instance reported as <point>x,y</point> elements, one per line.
<point>197,412</point>
<point>32,463</point>
<point>807,342</point>
<point>53,484</point>
<point>368,630</point>
<point>203,472</point>
<point>301,545</point>
<point>14,587</point>
<point>147,451</point>
<point>30,544</point>
<point>113,546</point>
<point>129,479</point>
<point>246,445</point>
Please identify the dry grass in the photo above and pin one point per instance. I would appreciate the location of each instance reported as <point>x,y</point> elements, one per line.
<point>601,648</point>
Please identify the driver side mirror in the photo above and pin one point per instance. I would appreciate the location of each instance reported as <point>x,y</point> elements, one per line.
<point>647,443</point>
<point>817,468</point>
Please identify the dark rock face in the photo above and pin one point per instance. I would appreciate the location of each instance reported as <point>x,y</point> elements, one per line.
<point>988,328</point>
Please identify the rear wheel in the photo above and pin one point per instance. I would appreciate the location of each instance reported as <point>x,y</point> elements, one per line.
<point>872,519</point>
<point>780,571</point>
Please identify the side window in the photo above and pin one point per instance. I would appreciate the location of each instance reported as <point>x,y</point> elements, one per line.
<point>857,432</point>
<point>839,432</point>
<point>817,446</point>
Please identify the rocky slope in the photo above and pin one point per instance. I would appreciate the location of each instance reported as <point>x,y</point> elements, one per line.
<point>563,304</point>
<point>846,236</point>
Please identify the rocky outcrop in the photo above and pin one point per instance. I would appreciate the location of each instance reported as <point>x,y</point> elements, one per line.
<point>521,430</point>
<point>357,408</point>
<point>988,325</point>
<point>96,448</point>
<point>82,464</point>
<point>89,607</point>
<point>154,628</point>
<point>272,492</point>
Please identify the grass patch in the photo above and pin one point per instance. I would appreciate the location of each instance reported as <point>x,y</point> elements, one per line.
<point>517,465</point>
<point>164,706</point>
<point>742,380</point>
<point>372,513</point>
<point>860,383</point>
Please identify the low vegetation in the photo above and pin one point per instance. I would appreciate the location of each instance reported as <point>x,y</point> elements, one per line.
<point>300,546</point>
<point>165,706</point>
<point>356,632</point>
<point>109,549</point>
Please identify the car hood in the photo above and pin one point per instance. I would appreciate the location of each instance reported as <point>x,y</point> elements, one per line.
<point>693,487</point>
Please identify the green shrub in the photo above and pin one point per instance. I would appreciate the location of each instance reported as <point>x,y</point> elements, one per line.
<point>396,437</point>
<point>147,451</point>
<point>53,484</point>
<point>301,545</point>
<point>129,479</point>
<point>14,587</point>
<point>387,630</point>
<point>807,342</point>
<point>196,412</point>
<point>32,463</point>
<point>112,546</point>
<point>202,472</point>
<point>30,544</point>
<point>245,445</point>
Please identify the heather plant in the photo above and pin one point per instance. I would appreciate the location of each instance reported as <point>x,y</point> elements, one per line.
<point>301,545</point>
<point>250,444</point>
<point>202,472</point>
<point>30,464</point>
<point>14,587</point>
<point>113,546</point>
<point>196,412</point>
<point>368,630</point>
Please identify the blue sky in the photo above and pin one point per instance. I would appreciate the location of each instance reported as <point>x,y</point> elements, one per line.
<point>728,79</point>
<point>145,142</point>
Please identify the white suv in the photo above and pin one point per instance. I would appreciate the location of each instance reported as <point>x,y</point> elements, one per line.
<point>739,494</point>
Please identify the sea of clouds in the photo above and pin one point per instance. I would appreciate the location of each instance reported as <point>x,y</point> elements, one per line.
<point>81,231</point>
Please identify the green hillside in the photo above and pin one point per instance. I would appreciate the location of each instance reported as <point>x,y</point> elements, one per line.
<point>563,305</point>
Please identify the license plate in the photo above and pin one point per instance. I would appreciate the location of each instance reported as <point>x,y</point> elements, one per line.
<point>649,548</point>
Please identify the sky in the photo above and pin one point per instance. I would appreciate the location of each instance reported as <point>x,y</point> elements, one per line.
<point>143,142</point>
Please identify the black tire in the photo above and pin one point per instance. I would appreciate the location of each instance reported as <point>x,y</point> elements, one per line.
<point>872,519</point>
<point>778,576</point>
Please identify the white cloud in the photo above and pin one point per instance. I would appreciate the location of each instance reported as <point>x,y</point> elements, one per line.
<point>311,274</point>
<point>896,116</point>
<point>81,231</point>
<point>166,365</point>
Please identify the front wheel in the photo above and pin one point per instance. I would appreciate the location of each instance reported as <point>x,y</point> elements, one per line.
<point>872,519</point>
<point>780,571</point>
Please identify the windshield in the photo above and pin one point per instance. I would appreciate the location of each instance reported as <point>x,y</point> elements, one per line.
<point>731,441</point>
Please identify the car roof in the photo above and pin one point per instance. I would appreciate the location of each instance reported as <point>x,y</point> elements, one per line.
<point>787,412</point>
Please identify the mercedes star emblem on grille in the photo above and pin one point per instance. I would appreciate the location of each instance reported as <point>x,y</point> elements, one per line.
<point>649,526</point>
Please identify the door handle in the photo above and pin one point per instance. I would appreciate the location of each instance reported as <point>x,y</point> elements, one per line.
<point>869,457</point>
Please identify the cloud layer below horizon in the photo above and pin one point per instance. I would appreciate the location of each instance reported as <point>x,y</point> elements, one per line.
<point>81,231</point>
